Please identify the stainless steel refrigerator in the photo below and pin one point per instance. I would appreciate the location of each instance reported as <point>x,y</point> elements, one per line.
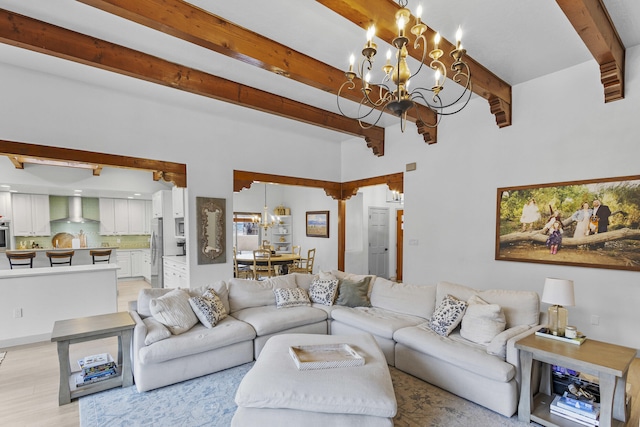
<point>157,250</point>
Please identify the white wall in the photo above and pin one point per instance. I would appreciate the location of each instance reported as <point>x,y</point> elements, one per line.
<point>562,131</point>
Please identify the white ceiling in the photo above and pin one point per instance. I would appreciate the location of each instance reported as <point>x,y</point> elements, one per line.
<point>517,40</point>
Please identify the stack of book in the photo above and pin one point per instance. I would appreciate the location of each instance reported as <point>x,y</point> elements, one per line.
<point>95,368</point>
<point>581,411</point>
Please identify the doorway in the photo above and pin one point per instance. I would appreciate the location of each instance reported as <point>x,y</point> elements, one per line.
<point>399,243</point>
<point>379,241</point>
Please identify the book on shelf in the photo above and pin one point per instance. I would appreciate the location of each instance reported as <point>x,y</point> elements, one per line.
<point>575,418</point>
<point>577,341</point>
<point>82,381</point>
<point>575,409</point>
<point>97,363</point>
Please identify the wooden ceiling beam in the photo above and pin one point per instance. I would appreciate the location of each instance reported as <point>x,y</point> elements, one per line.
<point>596,29</point>
<point>187,22</point>
<point>28,33</point>
<point>382,13</point>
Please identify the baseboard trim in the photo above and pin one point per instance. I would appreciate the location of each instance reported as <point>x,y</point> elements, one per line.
<point>31,339</point>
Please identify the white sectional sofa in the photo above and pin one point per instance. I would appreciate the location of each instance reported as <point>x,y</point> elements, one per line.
<point>477,361</point>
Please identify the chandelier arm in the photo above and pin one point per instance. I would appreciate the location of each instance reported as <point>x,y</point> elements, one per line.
<point>367,125</point>
<point>416,44</point>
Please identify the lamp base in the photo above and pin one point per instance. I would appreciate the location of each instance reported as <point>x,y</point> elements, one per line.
<point>558,319</point>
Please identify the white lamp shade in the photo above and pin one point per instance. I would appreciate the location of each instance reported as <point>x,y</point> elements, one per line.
<point>558,292</point>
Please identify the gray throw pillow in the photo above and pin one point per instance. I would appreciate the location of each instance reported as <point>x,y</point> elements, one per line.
<point>354,293</point>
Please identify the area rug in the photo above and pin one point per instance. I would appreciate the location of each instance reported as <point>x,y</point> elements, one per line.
<point>208,401</point>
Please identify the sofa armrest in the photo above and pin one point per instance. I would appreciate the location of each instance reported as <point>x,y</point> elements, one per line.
<point>513,355</point>
<point>133,305</point>
<point>139,334</point>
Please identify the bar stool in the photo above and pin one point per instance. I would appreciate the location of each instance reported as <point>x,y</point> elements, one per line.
<point>21,259</point>
<point>100,255</point>
<point>60,257</point>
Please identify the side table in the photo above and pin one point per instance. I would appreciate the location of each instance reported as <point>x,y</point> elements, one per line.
<point>82,329</point>
<point>609,362</point>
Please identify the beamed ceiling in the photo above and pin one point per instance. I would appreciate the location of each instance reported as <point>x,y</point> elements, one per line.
<point>287,58</point>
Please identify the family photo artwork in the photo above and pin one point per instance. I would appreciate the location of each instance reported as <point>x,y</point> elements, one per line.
<point>590,223</point>
<point>318,224</point>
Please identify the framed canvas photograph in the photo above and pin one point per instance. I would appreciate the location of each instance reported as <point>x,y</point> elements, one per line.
<point>589,223</point>
<point>318,224</point>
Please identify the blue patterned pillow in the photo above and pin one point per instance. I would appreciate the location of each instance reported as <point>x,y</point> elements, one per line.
<point>291,297</point>
<point>323,291</point>
<point>208,308</point>
<point>447,315</point>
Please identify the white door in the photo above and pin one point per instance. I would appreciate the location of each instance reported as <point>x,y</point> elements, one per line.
<point>379,241</point>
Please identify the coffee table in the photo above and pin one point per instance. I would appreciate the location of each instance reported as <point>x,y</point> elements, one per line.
<point>275,392</point>
<point>82,329</point>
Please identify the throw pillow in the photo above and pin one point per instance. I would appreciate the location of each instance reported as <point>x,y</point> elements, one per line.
<point>354,293</point>
<point>156,331</point>
<point>173,311</point>
<point>323,291</point>
<point>447,315</point>
<point>208,308</point>
<point>482,321</point>
<point>288,297</point>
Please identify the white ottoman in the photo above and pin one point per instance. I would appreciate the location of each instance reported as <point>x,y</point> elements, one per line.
<point>275,393</point>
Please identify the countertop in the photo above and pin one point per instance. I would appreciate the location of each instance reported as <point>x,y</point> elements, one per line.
<point>48,271</point>
<point>71,249</point>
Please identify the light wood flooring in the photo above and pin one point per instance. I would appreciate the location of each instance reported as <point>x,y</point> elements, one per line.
<point>29,377</point>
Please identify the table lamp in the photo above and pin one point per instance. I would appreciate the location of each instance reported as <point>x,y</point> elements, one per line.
<point>558,293</point>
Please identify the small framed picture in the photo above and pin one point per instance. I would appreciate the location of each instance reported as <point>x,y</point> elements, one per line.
<point>318,224</point>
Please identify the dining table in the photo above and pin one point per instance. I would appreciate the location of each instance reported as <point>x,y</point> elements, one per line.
<point>281,259</point>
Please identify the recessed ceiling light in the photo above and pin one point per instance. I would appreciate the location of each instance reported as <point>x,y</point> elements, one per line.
<point>77,191</point>
<point>137,194</point>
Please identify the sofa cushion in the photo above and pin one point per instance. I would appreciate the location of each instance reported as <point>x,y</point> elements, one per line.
<point>174,311</point>
<point>471,358</point>
<point>208,308</point>
<point>481,321</point>
<point>245,293</point>
<point>376,321</point>
<point>403,298</point>
<point>196,340</point>
<point>295,297</point>
<point>447,316</point>
<point>353,293</point>
<point>323,291</point>
<point>156,331</point>
<point>304,280</point>
<point>268,319</point>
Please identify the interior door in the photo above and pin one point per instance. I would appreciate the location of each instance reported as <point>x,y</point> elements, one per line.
<point>379,241</point>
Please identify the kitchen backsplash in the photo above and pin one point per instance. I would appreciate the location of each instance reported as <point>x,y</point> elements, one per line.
<point>91,231</point>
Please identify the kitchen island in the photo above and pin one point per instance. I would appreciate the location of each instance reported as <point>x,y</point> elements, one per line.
<point>80,257</point>
<point>33,299</point>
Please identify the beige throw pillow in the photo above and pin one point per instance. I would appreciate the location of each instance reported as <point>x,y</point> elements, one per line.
<point>482,321</point>
<point>174,311</point>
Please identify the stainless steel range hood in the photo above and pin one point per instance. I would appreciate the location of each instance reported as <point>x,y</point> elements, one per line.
<point>75,212</point>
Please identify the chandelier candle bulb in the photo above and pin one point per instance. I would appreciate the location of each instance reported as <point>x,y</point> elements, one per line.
<point>436,41</point>
<point>459,38</point>
<point>418,13</point>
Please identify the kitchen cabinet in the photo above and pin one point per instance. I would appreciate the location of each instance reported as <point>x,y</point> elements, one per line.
<point>148,215</point>
<point>177,202</point>
<point>132,263</point>
<point>175,273</point>
<point>123,216</point>
<point>31,215</point>
<point>124,262</point>
<point>157,202</point>
<point>5,206</point>
<point>136,264</point>
<point>146,265</point>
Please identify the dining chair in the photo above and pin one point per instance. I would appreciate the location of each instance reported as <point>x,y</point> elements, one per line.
<point>262,264</point>
<point>241,272</point>
<point>304,265</point>
<point>20,259</point>
<point>296,250</point>
<point>100,255</point>
<point>60,257</point>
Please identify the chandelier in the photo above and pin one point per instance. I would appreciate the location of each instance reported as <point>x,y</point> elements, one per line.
<point>265,223</point>
<point>400,100</point>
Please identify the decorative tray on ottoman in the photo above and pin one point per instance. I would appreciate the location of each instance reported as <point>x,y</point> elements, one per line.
<point>323,356</point>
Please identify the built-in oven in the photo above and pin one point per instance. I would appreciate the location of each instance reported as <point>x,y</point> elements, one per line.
<point>4,236</point>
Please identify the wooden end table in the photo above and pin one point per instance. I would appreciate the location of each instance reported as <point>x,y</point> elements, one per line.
<point>82,329</point>
<point>609,362</point>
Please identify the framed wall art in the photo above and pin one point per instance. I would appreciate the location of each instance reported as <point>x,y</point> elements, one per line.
<point>210,216</point>
<point>590,223</point>
<point>317,224</point>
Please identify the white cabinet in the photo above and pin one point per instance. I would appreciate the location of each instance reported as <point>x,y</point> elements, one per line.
<point>5,206</point>
<point>123,216</point>
<point>175,274</point>
<point>148,215</point>
<point>31,215</point>
<point>124,262</point>
<point>281,234</point>
<point>136,264</point>
<point>177,202</point>
<point>146,265</point>
<point>157,202</point>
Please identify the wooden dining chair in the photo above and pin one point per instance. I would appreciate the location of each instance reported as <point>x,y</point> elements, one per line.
<point>100,255</point>
<point>60,257</point>
<point>241,271</point>
<point>304,265</point>
<point>295,249</point>
<point>262,264</point>
<point>20,259</point>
